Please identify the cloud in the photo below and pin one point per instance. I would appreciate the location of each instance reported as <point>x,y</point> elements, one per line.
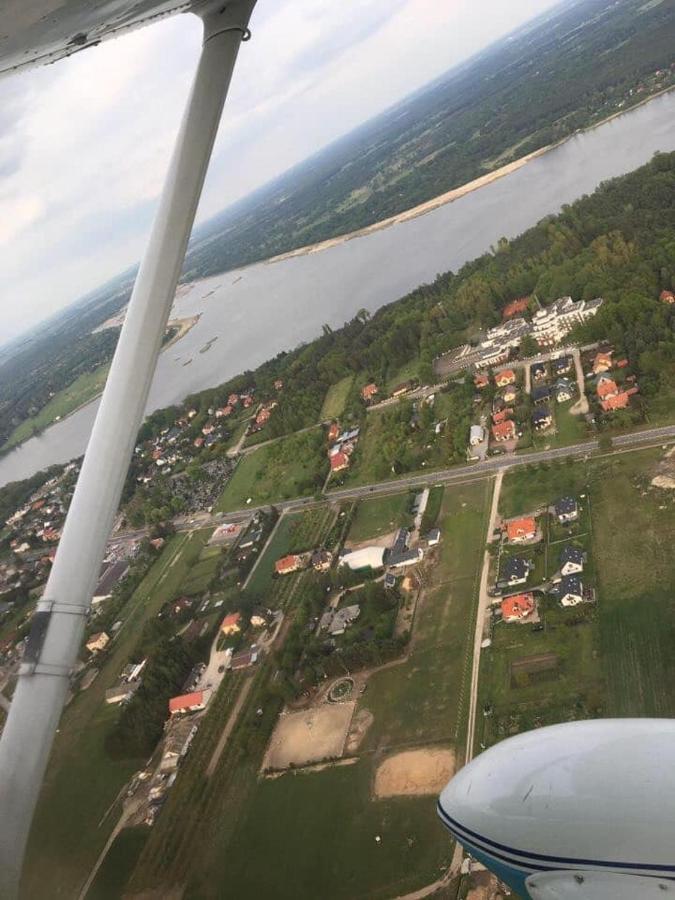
<point>84,144</point>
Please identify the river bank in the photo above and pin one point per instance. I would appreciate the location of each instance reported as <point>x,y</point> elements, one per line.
<point>455,193</point>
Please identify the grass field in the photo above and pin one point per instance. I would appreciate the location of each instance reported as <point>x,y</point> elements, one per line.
<point>294,466</point>
<point>405,373</point>
<point>82,390</point>
<point>425,699</point>
<point>200,575</point>
<point>295,532</point>
<point>335,399</point>
<point>118,864</point>
<point>612,659</point>
<point>316,832</point>
<point>82,781</point>
<point>379,516</point>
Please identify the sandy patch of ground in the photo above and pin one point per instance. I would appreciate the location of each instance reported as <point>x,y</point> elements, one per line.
<point>384,540</point>
<point>309,735</point>
<point>360,725</point>
<point>424,771</point>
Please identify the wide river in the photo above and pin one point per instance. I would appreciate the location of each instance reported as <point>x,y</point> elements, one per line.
<point>247,316</point>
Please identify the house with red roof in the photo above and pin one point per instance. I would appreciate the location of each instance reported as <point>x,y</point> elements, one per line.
<point>515,307</point>
<point>333,432</point>
<point>186,703</point>
<point>288,564</point>
<point>504,431</point>
<point>339,461</point>
<point>481,381</point>
<point>231,624</point>
<point>368,391</point>
<point>667,297</point>
<point>618,401</point>
<point>607,387</point>
<point>501,415</point>
<point>263,416</point>
<point>520,530</point>
<point>233,399</point>
<point>506,376</point>
<point>602,361</point>
<point>517,607</point>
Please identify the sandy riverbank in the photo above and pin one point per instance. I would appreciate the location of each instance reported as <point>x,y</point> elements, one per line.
<point>454,193</point>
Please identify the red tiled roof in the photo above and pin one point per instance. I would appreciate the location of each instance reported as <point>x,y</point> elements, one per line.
<point>618,401</point>
<point>521,528</point>
<point>515,306</point>
<point>369,390</point>
<point>481,381</point>
<point>231,619</point>
<point>339,461</point>
<point>667,297</point>
<point>506,376</point>
<point>518,606</point>
<point>607,388</point>
<point>504,429</point>
<point>186,701</point>
<point>286,564</point>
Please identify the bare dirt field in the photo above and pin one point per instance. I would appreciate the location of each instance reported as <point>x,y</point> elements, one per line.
<point>424,771</point>
<point>359,726</point>
<point>309,735</point>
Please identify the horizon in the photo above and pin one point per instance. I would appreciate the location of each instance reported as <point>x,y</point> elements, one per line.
<point>66,270</point>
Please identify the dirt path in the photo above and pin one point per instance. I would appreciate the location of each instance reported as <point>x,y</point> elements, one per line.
<point>483,605</point>
<point>229,725</point>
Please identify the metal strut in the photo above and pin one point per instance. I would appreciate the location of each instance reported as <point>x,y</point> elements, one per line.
<point>59,620</point>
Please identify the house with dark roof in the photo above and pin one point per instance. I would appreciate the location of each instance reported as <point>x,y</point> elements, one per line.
<point>541,394</point>
<point>567,510</point>
<point>564,390</point>
<point>563,365</point>
<point>541,418</point>
<point>514,570</point>
<point>570,591</point>
<point>538,371</point>
<point>571,560</point>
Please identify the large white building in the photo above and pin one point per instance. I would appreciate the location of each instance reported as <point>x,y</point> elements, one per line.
<point>552,323</point>
<point>372,557</point>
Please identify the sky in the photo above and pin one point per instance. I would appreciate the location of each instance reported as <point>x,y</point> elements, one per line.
<point>84,144</point>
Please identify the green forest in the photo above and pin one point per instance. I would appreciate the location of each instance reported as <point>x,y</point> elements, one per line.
<point>564,71</point>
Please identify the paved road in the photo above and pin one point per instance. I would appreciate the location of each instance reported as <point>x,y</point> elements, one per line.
<point>456,474</point>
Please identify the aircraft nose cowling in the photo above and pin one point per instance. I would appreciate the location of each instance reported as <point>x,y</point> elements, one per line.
<point>596,794</point>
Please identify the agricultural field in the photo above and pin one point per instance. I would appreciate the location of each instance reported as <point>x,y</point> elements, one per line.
<point>82,781</point>
<point>379,516</point>
<point>336,398</point>
<point>611,658</point>
<point>118,864</point>
<point>293,466</point>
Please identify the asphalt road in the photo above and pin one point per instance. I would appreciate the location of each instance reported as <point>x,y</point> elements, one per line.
<point>456,474</point>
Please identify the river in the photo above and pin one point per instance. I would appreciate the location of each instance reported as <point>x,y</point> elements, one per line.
<point>248,316</point>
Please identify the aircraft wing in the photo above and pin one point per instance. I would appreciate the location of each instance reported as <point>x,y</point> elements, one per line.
<point>36,32</point>
<point>595,886</point>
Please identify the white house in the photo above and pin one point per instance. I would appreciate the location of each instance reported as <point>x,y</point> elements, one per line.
<point>571,591</point>
<point>571,560</point>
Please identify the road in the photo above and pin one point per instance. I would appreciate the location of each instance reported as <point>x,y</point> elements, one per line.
<point>483,605</point>
<point>455,475</point>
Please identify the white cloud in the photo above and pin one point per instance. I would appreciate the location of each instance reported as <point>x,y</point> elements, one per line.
<point>84,144</point>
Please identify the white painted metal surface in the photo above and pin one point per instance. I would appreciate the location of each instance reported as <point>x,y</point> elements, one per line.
<point>41,691</point>
<point>36,32</point>
<point>592,796</point>
<point>597,886</point>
